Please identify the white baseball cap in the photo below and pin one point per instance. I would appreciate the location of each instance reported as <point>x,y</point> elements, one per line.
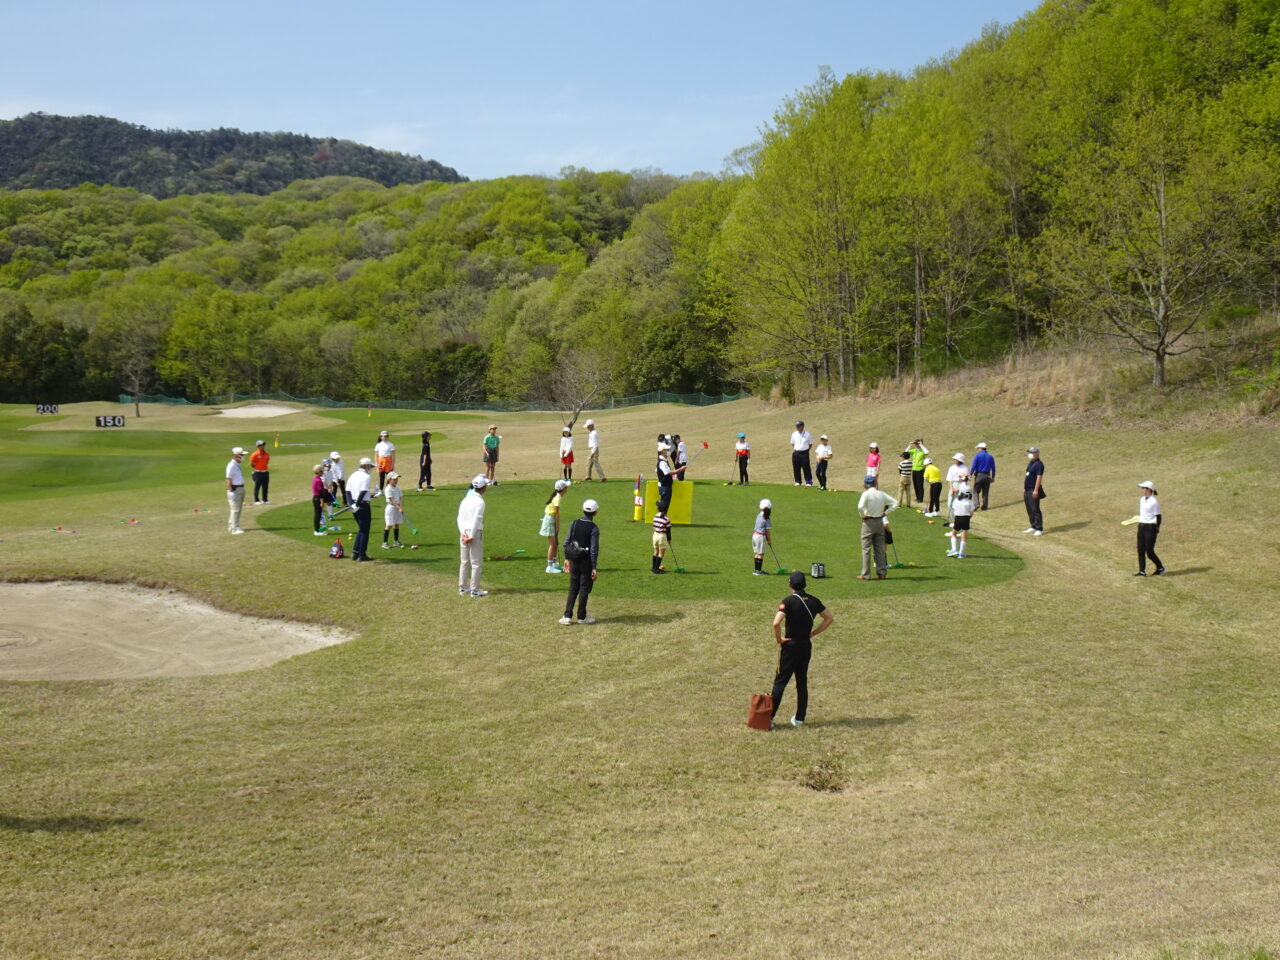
<point>590,507</point>
<point>664,447</point>
<point>479,482</point>
<point>562,484</point>
<point>566,430</point>
<point>366,462</point>
<point>765,504</point>
<point>874,445</point>
<point>237,451</point>
<point>1148,485</point>
<point>824,437</point>
<point>335,455</point>
<point>261,443</point>
<point>959,456</point>
<point>384,434</point>
<point>928,459</point>
<point>393,475</point>
<point>981,446</point>
<point>591,423</point>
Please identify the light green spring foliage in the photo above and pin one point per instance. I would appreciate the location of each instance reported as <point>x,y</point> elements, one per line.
<point>884,225</point>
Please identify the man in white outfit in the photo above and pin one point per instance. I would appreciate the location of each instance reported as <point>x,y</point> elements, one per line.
<point>235,489</point>
<point>593,451</point>
<point>471,537</point>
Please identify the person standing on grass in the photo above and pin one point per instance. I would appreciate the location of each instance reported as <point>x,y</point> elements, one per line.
<point>235,489</point>
<point>933,477</point>
<point>873,507</point>
<point>593,452</point>
<point>260,460</point>
<point>665,474</point>
<point>823,454</point>
<point>983,472</point>
<point>424,463</point>
<point>392,513</point>
<point>471,538</point>
<point>320,499</point>
<point>762,534</point>
<point>385,453</point>
<point>359,489</point>
<point>873,460</point>
<point>1148,529</point>
<point>957,473</point>
<point>490,447</point>
<point>905,470</point>
<point>742,453</point>
<point>661,539</point>
<point>339,474</point>
<point>582,553</point>
<point>918,452</point>
<point>961,516</point>
<point>682,458</point>
<point>566,454</point>
<point>550,527</point>
<point>799,614</point>
<point>801,441</point>
<point>1033,492</point>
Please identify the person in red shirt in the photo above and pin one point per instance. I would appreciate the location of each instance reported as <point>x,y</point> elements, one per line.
<point>260,460</point>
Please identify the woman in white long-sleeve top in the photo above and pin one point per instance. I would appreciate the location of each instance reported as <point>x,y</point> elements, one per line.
<point>1148,529</point>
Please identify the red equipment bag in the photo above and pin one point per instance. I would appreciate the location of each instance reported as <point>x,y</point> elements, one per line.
<point>760,712</point>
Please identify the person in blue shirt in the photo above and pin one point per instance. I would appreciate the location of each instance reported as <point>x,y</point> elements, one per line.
<point>983,470</point>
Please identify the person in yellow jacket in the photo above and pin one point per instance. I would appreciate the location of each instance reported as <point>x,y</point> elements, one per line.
<point>933,478</point>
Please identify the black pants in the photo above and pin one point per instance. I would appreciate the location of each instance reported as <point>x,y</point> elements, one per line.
<point>917,484</point>
<point>361,547</point>
<point>261,480</point>
<point>800,464</point>
<point>1147,533</point>
<point>793,661</point>
<point>982,488</point>
<point>317,509</point>
<point>664,496</point>
<point>1034,517</point>
<point>424,474</point>
<point>935,495</point>
<point>382,479</point>
<point>822,474</point>
<point>742,469</point>
<point>579,586</point>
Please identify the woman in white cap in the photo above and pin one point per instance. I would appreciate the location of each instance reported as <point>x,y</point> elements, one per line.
<point>235,489</point>
<point>957,474</point>
<point>385,453</point>
<point>551,525</point>
<point>761,534</point>
<point>1148,529</point>
<point>822,453</point>
<point>471,538</point>
<point>582,553</point>
<point>873,460</point>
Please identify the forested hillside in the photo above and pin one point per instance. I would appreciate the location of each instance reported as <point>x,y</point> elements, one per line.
<point>1097,169</point>
<point>51,152</point>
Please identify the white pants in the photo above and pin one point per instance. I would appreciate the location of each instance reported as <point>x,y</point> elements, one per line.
<point>235,500</point>
<point>472,557</point>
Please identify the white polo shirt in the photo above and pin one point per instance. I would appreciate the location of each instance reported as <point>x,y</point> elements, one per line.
<point>471,513</point>
<point>235,474</point>
<point>1148,509</point>
<point>358,485</point>
<point>801,441</point>
<point>593,439</point>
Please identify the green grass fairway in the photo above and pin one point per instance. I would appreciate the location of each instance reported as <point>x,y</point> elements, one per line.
<point>715,551</point>
<point>1027,754</point>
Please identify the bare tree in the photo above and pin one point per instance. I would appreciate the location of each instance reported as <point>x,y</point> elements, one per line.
<point>577,378</point>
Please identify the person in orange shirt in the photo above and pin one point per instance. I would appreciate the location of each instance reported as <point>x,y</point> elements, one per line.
<point>259,460</point>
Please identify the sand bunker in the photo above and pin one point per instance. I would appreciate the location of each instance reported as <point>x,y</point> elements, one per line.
<point>257,411</point>
<point>99,631</point>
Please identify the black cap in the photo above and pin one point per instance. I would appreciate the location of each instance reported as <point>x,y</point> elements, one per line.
<point>796,580</point>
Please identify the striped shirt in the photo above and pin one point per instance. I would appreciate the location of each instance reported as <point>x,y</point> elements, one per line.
<point>661,524</point>
<point>904,467</point>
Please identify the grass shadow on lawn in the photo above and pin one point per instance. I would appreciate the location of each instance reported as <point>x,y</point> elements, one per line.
<point>862,723</point>
<point>65,824</point>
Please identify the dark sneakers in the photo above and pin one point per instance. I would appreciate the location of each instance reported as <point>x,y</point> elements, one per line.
<point>1158,572</point>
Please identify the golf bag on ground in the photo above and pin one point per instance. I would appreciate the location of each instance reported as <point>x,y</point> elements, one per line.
<point>760,712</point>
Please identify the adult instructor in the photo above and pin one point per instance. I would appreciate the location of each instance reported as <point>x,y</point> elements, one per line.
<point>235,489</point>
<point>593,451</point>
<point>359,493</point>
<point>471,538</point>
<point>801,441</point>
<point>798,613</point>
<point>983,469</point>
<point>260,460</point>
<point>1033,492</point>
<point>873,507</point>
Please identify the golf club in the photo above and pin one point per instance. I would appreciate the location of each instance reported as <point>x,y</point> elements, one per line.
<point>672,548</point>
<point>897,563</point>
<point>732,470</point>
<point>781,568</point>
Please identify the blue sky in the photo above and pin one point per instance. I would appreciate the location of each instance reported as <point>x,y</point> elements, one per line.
<point>490,88</point>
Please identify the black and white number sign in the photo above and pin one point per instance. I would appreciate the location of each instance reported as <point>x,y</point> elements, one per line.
<point>43,408</point>
<point>110,421</point>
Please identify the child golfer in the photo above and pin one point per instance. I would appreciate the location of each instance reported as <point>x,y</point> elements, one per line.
<point>961,517</point>
<point>320,499</point>
<point>742,450</point>
<point>551,526</point>
<point>384,453</point>
<point>566,454</point>
<point>823,453</point>
<point>392,514</point>
<point>761,534</point>
<point>873,460</point>
<point>904,477</point>
<point>933,477</point>
<point>661,538</point>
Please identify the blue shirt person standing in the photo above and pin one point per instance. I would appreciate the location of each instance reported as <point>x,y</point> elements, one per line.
<point>983,470</point>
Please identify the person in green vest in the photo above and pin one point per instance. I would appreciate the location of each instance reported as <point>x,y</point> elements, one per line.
<point>918,452</point>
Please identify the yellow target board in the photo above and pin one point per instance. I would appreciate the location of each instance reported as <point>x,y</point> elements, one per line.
<point>681,509</point>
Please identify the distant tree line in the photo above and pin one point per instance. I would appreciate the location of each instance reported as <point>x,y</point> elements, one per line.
<point>1109,168</point>
<point>42,151</point>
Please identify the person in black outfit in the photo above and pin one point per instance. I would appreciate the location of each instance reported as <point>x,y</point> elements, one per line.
<point>582,570</point>
<point>1033,492</point>
<point>800,612</point>
<point>424,463</point>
